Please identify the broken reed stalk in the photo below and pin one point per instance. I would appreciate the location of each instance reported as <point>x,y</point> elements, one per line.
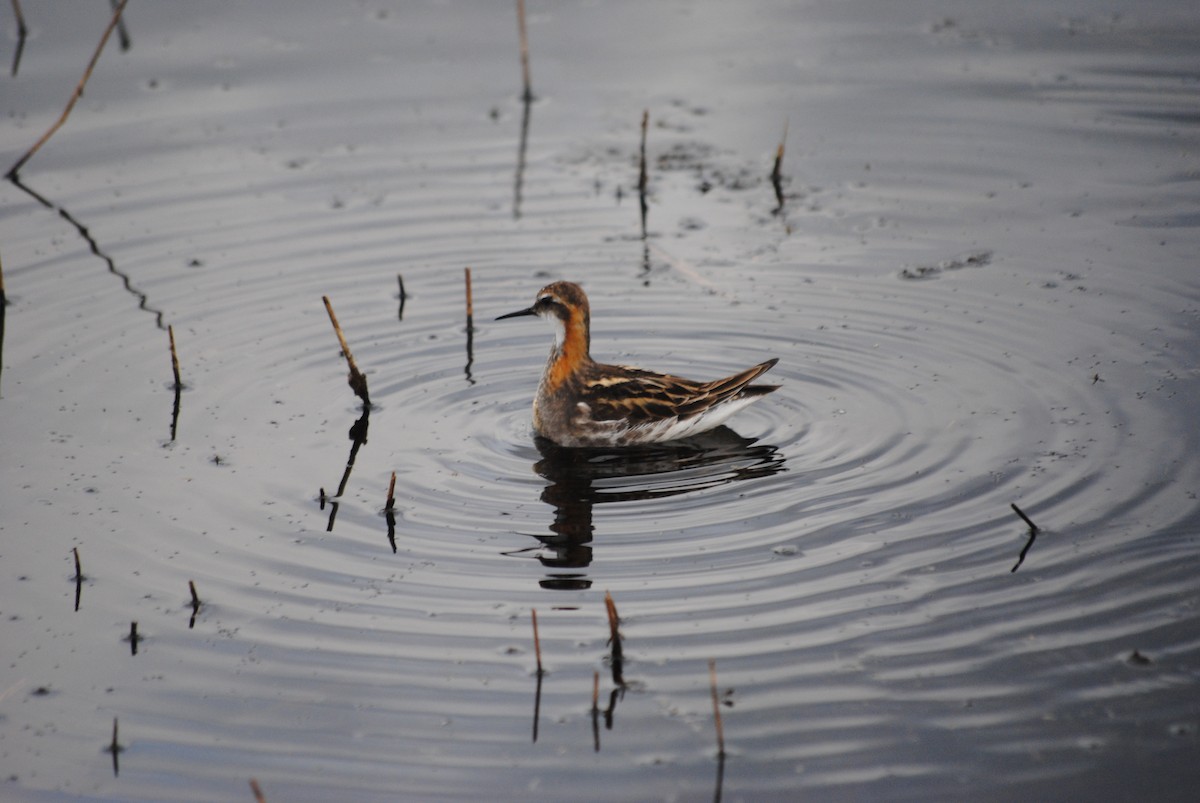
<point>537,643</point>
<point>391,497</point>
<point>1033,528</point>
<point>617,658</point>
<point>133,637</point>
<point>195,596</point>
<point>716,701</point>
<point>610,608</point>
<point>12,171</point>
<point>403,296</point>
<point>78,566</point>
<point>527,94</point>
<point>259,797</point>
<point>470,304</point>
<point>777,171</point>
<point>642,180</point>
<point>358,382</point>
<point>174,358</point>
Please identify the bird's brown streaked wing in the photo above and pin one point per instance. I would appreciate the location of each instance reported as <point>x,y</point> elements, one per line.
<point>637,396</point>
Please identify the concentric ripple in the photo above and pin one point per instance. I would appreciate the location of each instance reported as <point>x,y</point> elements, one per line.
<point>968,314</point>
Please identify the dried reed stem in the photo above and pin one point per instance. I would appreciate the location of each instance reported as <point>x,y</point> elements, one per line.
<point>358,382</point>
<point>610,607</point>
<point>712,682</point>
<point>78,569</point>
<point>642,180</point>
<point>391,497</point>
<point>174,358</point>
<point>195,596</point>
<point>12,171</point>
<point>527,94</point>
<point>777,171</point>
<point>537,643</point>
<point>470,304</point>
<point>259,797</point>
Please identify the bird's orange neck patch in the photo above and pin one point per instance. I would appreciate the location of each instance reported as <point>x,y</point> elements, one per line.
<point>569,356</point>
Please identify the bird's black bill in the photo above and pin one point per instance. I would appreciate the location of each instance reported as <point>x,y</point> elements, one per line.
<point>518,313</point>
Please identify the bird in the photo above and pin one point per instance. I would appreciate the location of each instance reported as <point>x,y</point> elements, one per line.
<point>584,403</point>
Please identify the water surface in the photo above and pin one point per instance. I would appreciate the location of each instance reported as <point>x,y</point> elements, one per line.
<point>981,287</point>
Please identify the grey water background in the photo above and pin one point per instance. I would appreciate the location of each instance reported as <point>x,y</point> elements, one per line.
<point>982,288</point>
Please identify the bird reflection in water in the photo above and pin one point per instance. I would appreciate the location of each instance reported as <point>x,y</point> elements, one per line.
<point>581,478</point>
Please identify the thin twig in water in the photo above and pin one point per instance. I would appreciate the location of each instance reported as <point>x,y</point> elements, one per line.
<point>122,31</point>
<point>527,94</point>
<point>614,633</point>
<point>1032,527</point>
<point>391,496</point>
<point>470,328</point>
<point>12,171</point>
<point>716,701</point>
<point>115,748</point>
<point>174,358</point>
<point>537,642</point>
<point>777,171</point>
<point>596,711</point>
<point>259,797</point>
<point>22,32</point>
<point>403,297</point>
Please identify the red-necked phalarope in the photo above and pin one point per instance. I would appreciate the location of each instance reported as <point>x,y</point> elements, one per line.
<point>581,402</point>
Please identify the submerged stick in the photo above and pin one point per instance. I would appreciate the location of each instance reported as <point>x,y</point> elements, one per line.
<point>358,382</point>
<point>527,94</point>
<point>1032,527</point>
<point>174,358</point>
<point>716,701</point>
<point>12,171</point>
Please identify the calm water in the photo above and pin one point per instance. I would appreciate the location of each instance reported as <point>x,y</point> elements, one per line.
<point>982,288</point>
